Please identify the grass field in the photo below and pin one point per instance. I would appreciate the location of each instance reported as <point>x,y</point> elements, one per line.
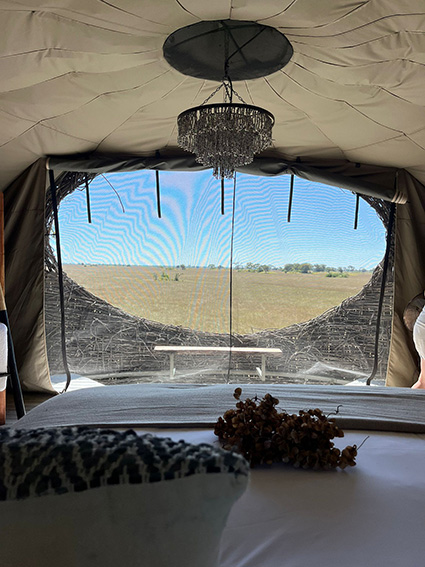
<point>199,298</point>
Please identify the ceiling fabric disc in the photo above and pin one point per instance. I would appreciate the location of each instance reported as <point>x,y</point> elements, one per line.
<point>251,50</point>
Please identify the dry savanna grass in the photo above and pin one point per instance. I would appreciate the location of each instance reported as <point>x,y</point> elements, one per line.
<point>198,298</point>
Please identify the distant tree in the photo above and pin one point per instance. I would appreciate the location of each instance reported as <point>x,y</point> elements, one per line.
<point>305,268</point>
<point>211,266</point>
<point>288,268</point>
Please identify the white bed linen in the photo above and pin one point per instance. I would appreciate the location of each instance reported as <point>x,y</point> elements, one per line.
<point>372,515</point>
<point>419,334</point>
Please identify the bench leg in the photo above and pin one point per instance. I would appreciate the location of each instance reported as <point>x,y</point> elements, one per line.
<point>262,371</point>
<point>172,366</point>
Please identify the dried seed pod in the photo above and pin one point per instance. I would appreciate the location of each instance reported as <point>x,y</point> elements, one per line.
<point>264,435</point>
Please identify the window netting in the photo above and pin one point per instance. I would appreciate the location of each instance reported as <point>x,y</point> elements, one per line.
<point>135,281</point>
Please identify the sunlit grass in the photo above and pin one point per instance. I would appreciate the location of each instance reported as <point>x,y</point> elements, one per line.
<point>199,298</point>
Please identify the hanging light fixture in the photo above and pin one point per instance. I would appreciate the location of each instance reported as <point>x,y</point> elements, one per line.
<point>226,135</point>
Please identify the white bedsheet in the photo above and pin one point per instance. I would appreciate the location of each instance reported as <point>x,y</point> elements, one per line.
<point>372,515</point>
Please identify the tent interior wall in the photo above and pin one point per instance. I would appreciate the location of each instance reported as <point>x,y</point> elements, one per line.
<point>140,474</point>
<point>25,206</point>
<point>94,91</point>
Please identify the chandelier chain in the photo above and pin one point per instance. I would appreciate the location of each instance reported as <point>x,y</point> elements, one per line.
<point>220,86</point>
<point>239,97</point>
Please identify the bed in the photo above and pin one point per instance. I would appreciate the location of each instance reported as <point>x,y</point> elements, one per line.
<point>372,514</point>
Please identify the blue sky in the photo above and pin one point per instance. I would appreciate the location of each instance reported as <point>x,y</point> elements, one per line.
<point>193,232</point>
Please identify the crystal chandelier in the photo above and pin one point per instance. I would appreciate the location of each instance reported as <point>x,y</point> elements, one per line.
<point>227,135</point>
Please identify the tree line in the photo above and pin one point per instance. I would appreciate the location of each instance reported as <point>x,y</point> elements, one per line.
<point>300,268</point>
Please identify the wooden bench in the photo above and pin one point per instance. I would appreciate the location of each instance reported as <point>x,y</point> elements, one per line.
<point>247,351</point>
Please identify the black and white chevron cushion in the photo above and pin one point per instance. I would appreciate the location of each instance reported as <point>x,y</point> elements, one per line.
<point>42,462</point>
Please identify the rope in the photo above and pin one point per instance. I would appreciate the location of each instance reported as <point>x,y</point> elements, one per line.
<point>231,280</point>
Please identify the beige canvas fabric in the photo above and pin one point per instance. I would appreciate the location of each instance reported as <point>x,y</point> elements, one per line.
<point>92,77</point>
<point>24,236</point>
<point>24,252</point>
<point>409,280</point>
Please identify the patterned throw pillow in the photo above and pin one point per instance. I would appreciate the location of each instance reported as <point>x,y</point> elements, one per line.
<point>56,461</point>
<point>78,496</point>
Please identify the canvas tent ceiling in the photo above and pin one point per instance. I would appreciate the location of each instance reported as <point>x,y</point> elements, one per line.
<point>90,75</point>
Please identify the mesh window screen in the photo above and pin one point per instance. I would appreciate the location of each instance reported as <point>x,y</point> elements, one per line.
<point>135,281</point>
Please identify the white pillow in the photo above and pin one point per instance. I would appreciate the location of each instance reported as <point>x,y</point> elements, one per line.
<point>100,498</point>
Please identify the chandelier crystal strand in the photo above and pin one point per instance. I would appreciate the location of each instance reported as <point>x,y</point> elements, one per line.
<point>225,136</point>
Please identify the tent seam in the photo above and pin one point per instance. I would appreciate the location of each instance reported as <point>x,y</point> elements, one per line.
<point>137,111</point>
<point>304,113</point>
<point>320,25</point>
<point>75,51</point>
<point>366,24</point>
<point>79,22</point>
<point>372,85</point>
<point>340,101</point>
<point>186,10</point>
<point>109,93</point>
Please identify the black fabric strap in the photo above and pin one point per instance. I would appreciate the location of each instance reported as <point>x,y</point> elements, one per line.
<point>88,199</point>
<point>158,194</point>
<point>60,278</point>
<point>356,214</point>
<point>291,196</point>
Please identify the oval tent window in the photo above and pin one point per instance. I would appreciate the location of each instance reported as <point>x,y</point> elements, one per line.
<point>135,280</point>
